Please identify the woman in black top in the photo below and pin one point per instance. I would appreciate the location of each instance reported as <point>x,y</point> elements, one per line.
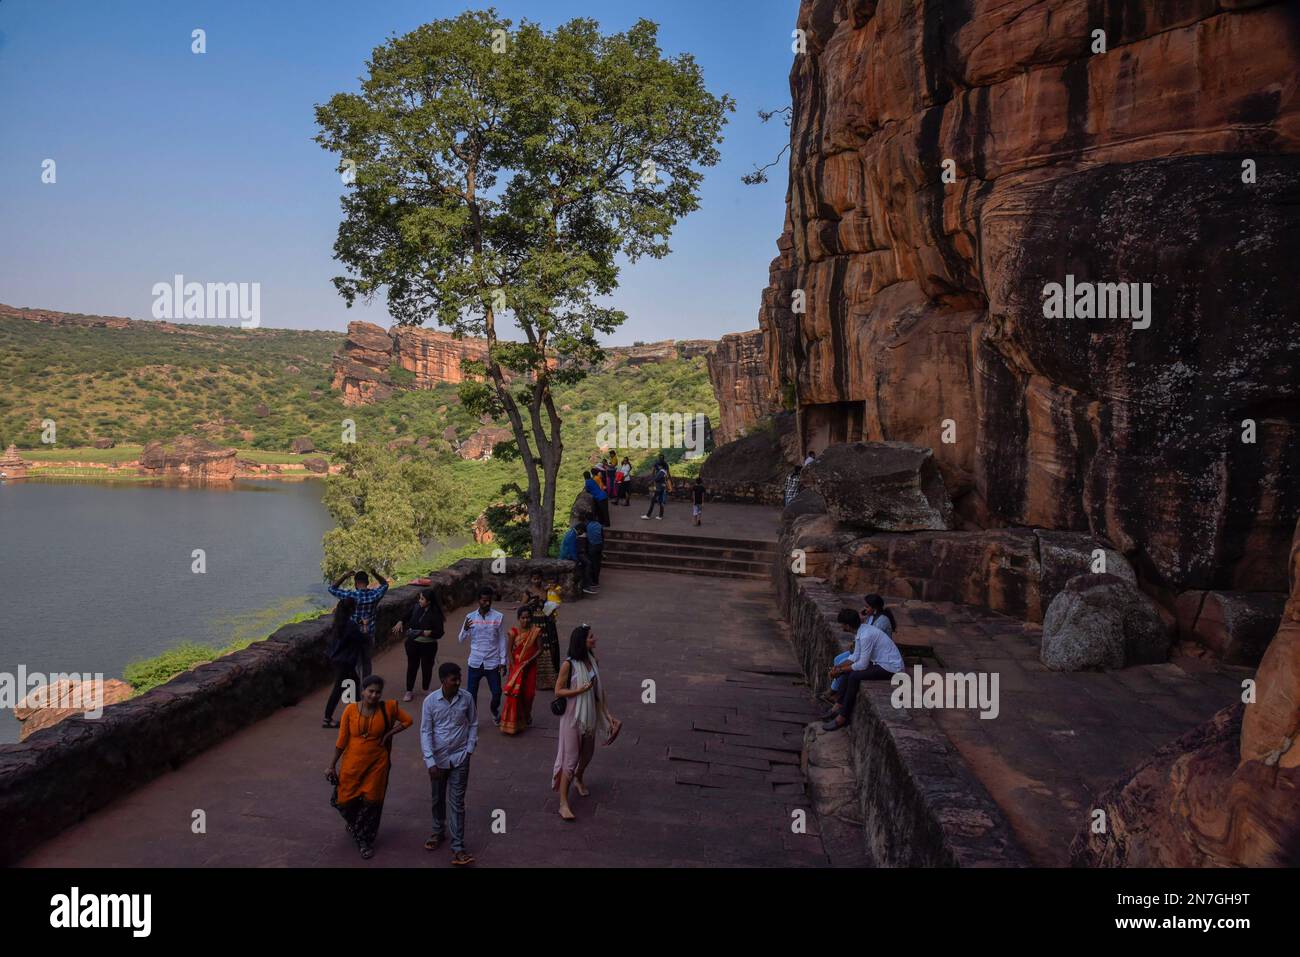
<point>422,629</point>
<point>344,649</point>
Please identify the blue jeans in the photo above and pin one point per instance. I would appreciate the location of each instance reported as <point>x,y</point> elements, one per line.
<point>837,684</point>
<point>493,677</point>
<point>450,815</point>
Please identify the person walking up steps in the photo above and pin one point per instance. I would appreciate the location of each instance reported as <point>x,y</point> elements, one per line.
<point>485,628</point>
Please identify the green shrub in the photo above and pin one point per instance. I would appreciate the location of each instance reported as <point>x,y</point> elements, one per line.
<point>151,672</point>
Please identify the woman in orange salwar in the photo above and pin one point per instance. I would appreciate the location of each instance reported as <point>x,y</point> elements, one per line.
<point>521,684</point>
<point>364,744</point>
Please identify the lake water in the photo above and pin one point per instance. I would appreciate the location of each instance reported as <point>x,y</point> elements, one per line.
<point>99,574</point>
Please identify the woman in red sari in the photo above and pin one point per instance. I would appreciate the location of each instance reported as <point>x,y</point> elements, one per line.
<point>521,684</point>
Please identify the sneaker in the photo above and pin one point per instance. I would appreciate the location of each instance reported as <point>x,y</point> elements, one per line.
<point>659,518</point>
<point>645,517</point>
<point>589,591</point>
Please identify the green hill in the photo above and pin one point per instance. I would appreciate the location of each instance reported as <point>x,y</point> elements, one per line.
<point>159,380</point>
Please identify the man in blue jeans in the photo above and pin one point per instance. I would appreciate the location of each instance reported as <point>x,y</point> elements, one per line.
<point>448,736</point>
<point>485,629</point>
<point>367,600</point>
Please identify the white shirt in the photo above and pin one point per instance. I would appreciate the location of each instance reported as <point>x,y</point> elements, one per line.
<point>448,729</point>
<point>809,460</point>
<point>871,646</point>
<point>487,638</point>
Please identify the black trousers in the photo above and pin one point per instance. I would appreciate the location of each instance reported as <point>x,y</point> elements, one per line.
<point>341,674</point>
<point>602,512</point>
<point>849,696</point>
<point>584,568</point>
<point>594,553</point>
<point>420,655</point>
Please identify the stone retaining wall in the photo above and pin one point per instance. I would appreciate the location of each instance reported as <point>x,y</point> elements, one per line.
<point>63,773</point>
<point>918,803</point>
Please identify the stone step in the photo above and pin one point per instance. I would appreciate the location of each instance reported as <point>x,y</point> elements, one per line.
<point>710,552</point>
<point>671,556</point>
<point>651,535</point>
<point>679,569</point>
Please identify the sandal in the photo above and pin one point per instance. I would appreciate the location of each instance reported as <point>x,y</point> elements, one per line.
<point>570,818</point>
<point>367,852</point>
<point>461,857</point>
<point>329,723</point>
<point>433,843</point>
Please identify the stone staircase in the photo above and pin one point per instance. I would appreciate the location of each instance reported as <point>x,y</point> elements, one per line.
<point>649,550</point>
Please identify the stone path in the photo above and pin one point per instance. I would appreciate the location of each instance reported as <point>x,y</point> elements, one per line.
<point>1060,737</point>
<point>706,775</point>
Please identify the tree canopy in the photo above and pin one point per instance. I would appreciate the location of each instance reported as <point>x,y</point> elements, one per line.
<point>500,173</point>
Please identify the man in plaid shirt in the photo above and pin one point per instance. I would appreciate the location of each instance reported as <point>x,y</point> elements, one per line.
<point>366,598</point>
<point>792,484</point>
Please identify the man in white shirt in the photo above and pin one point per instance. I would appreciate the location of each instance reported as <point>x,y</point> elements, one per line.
<point>875,658</point>
<point>485,629</point>
<point>448,736</point>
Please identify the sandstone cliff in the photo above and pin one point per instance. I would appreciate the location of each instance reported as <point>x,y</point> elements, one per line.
<point>738,370</point>
<point>923,300</point>
<point>363,370</point>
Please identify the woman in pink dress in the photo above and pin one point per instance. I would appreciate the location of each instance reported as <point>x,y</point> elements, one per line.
<point>585,712</point>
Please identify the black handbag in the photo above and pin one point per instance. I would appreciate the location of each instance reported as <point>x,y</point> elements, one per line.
<point>558,705</point>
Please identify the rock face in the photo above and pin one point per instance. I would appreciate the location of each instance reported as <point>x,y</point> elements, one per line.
<point>189,457</point>
<point>317,465</point>
<point>480,444</point>
<point>1099,622</point>
<point>925,298</point>
<point>1236,626</point>
<point>882,486</point>
<point>738,371</point>
<point>1228,792</point>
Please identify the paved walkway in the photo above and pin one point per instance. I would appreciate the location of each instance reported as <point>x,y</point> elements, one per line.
<point>706,775</point>
<point>1060,738</point>
<point>720,519</point>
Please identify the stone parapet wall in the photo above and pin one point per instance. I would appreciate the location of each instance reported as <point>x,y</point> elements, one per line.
<point>920,806</point>
<point>65,772</point>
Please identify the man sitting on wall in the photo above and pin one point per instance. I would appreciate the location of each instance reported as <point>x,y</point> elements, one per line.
<point>875,658</point>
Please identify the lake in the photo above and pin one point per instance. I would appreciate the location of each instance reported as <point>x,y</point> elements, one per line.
<point>99,574</point>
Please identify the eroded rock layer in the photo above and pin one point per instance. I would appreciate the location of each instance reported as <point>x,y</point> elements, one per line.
<point>1167,159</point>
<point>738,371</point>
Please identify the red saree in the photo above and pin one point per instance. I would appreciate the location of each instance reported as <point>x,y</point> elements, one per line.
<point>521,683</point>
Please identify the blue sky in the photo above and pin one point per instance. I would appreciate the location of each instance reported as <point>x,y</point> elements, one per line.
<point>170,162</point>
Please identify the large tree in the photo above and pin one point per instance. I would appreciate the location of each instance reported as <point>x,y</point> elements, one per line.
<point>500,173</point>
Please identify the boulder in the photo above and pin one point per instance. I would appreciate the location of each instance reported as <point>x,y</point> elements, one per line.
<point>882,486</point>
<point>1100,622</point>
<point>807,502</point>
<point>261,410</point>
<point>317,465</point>
<point>104,443</point>
<point>189,457</point>
<point>49,704</point>
<point>756,458</point>
<point>302,445</point>
<point>1237,626</point>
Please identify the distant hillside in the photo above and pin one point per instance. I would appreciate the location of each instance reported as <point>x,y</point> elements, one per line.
<point>133,381</point>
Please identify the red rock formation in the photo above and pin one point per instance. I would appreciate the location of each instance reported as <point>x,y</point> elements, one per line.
<point>738,371</point>
<point>923,300</point>
<point>49,704</point>
<point>188,457</point>
<point>480,444</point>
<point>12,464</point>
<point>434,356</point>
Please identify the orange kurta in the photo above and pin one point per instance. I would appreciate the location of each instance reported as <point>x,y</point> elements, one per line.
<point>363,767</point>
